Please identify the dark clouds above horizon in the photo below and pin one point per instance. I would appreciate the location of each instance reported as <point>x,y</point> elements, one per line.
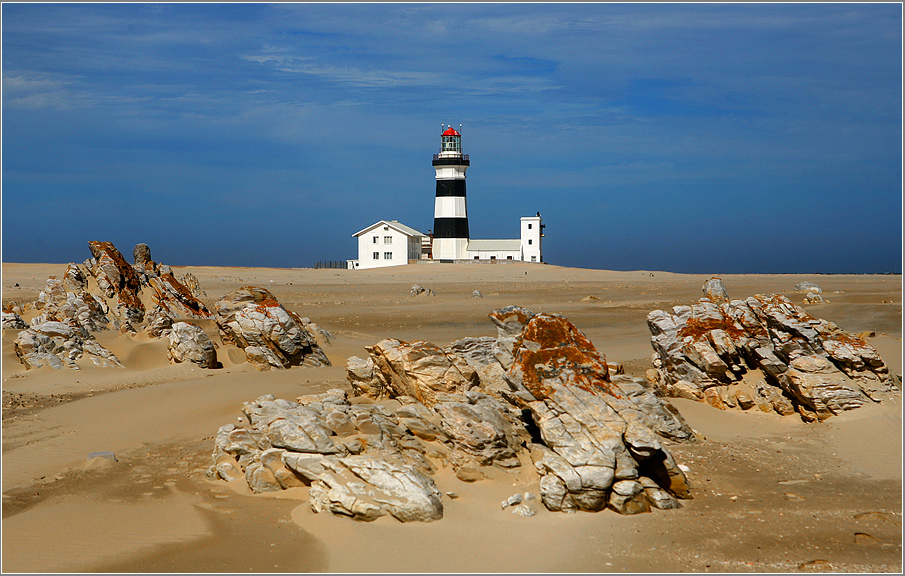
<point>724,138</point>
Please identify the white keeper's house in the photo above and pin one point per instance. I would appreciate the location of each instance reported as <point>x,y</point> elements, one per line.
<point>389,243</point>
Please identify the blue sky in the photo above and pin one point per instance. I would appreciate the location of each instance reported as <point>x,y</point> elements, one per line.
<point>700,138</point>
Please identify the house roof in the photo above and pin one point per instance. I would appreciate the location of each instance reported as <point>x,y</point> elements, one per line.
<point>494,245</point>
<point>408,231</point>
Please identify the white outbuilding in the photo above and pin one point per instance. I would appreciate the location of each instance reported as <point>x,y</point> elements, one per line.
<point>386,243</point>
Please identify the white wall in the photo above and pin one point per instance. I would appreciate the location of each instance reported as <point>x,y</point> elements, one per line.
<point>493,254</point>
<point>531,239</point>
<point>400,247</point>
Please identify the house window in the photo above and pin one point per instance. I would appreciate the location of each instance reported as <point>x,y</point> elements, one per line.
<point>534,258</point>
<point>493,257</point>
<point>375,239</point>
<point>529,226</point>
<point>530,241</point>
<point>476,257</point>
<point>508,257</point>
<point>387,239</point>
<point>376,255</point>
<point>387,255</point>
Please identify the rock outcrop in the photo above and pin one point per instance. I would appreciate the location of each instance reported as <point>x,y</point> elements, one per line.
<point>271,336</point>
<point>12,321</point>
<point>595,441</point>
<point>594,436</point>
<point>764,351</point>
<point>58,344</point>
<point>418,369</point>
<point>106,292</point>
<point>357,459</point>
<point>189,343</point>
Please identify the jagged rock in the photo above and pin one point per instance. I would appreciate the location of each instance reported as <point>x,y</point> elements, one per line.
<point>141,256</point>
<point>74,280</point>
<point>117,279</point>
<point>480,355</point>
<point>58,344</point>
<point>191,282</point>
<point>417,369</point>
<point>272,337</point>
<point>702,349</point>
<point>13,321</point>
<point>480,432</point>
<point>189,343</point>
<point>53,293</point>
<point>323,337</point>
<point>807,287</point>
<point>418,289</point>
<point>367,488</point>
<point>172,295</point>
<point>287,444</point>
<point>593,440</point>
<point>594,435</point>
<point>160,321</point>
<point>814,298</point>
<point>821,387</point>
<point>510,321</point>
<point>715,291</point>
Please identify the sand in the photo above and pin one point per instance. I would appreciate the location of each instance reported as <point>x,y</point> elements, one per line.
<point>771,493</point>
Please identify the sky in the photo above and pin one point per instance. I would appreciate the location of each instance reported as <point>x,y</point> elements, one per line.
<point>696,138</point>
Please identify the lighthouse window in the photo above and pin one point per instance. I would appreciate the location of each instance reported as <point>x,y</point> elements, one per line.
<point>387,239</point>
<point>530,241</point>
<point>387,255</point>
<point>529,226</point>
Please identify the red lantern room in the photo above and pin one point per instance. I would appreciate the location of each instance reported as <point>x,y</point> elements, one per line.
<point>450,141</point>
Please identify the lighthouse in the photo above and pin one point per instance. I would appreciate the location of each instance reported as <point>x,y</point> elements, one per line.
<point>450,213</point>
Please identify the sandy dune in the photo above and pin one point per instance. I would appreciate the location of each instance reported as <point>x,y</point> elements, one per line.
<point>771,493</point>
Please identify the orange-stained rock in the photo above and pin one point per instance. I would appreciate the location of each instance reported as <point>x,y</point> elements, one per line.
<point>272,337</point>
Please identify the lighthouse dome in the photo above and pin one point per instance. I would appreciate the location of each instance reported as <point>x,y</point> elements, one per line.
<point>450,132</point>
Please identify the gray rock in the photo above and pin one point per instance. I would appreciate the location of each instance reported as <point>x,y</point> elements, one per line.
<point>75,278</point>
<point>160,321</point>
<point>366,488</point>
<point>807,287</point>
<point>715,291</point>
<point>39,345</point>
<point>417,369</point>
<point>702,349</point>
<point>12,321</point>
<point>189,343</point>
<point>594,434</point>
<point>272,337</point>
<point>141,256</point>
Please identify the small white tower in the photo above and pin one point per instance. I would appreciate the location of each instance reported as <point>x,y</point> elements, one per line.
<point>450,213</point>
<point>532,233</point>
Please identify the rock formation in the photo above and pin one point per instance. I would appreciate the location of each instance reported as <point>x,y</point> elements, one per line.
<point>764,351</point>
<point>271,336</point>
<point>189,343</point>
<point>58,344</point>
<point>594,441</point>
<point>106,292</point>
<point>319,442</point>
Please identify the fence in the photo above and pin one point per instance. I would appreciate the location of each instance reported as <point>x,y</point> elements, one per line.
<point>331,264</point>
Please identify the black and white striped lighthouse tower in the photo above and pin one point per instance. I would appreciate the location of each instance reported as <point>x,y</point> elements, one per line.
<point>450,213</point>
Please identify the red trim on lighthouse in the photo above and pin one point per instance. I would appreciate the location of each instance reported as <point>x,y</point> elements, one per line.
<point>450,132</point>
